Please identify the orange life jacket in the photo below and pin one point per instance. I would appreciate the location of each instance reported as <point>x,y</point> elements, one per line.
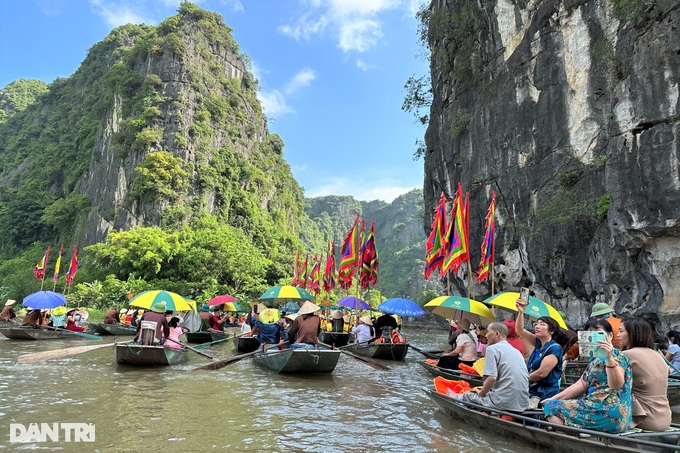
<point>397,338</point>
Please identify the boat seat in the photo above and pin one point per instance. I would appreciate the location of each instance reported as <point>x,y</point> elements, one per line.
<point>148,332</point>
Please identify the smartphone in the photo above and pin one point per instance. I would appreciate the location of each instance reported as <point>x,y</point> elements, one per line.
<point>255,308</point>
<point>524,295</point>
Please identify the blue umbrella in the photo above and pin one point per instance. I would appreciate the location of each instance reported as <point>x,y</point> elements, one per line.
<point>44,300</point>
<point>401,307</point>
<point>290,307</point>
<point>353,302</point>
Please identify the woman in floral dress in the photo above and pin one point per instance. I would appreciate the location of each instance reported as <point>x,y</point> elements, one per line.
<point>604,389</point>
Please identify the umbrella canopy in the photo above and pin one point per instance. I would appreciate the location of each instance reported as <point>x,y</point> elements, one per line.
<point>535,309</point>
<point>173,301</point>
<point>401,307</point>
<point>290,307</point>
<point>231,306</point>
<point>353,302</point>
<point>44,300</point>
<point>219,300</point>
<point>285,293</point>
<point>457,307</point>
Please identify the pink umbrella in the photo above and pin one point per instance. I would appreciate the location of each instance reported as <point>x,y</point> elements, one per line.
<point>219,300</point>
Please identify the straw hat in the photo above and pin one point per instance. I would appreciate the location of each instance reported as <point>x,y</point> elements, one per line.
<point>308,307</point>
<point>601,308</point>
<point>123,311</point>
<point>464,324</point>
<point>366,320</point>
<point>336,314</point>
<point>347,319</point>
<point>10,302</point>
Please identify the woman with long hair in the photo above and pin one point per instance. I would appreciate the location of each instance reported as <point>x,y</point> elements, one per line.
<point>651,409</point>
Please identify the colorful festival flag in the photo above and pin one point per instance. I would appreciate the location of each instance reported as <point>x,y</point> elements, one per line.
<point>456,242</point>
<point>369,260</point>
<point>73,267</point>
<point>329,271</point>
<point>314,277</point>
<point>55,277</point>
<point>489,244</point>
<point>349,256</point>
<point>435,242</point>
<point>39,269</point>
<point>302,281</point>
<point>296,273</point>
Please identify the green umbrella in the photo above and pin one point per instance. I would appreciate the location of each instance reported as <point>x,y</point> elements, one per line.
<point>285,293</point>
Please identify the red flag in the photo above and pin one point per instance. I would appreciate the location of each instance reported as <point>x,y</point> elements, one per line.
<point>314,276</point>
<point>457,251</point>
<point>302,282</point>
<point>435,242</point>
<point>73,267</point>
<point>350,255</point>
<point>39,269</point>
<point>489,244</point>
<point>296,274</point>
<point>369,260</point>
<point>329,271</point>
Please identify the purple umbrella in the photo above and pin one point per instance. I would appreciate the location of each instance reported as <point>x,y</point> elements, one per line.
<point>353,302</point>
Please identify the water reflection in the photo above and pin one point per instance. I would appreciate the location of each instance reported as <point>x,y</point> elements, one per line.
<point>241,407</point>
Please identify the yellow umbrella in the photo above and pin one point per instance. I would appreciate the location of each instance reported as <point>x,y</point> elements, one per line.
<point>535,309</point>
<point>173,301</point>
<point>457,307</point>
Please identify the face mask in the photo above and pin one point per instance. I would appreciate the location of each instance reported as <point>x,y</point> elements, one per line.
<point>77,316</point>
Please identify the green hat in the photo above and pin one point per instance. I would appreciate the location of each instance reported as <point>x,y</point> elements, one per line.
<point>601,308</point>
<point>205,308</point>
<point>158,307</point>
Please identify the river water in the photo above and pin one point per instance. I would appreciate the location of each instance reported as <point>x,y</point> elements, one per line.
<point>238,408</point>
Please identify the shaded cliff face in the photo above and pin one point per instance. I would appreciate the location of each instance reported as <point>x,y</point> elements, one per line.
<point>569,111</point>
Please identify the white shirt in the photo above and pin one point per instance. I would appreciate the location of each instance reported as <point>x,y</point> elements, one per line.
<point>362,332</point>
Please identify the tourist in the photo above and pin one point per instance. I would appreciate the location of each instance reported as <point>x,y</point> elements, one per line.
<point>605,391</point>
<point>112,316</point>
<point>363,332</point>
<point>207,319</point>
<point>337,321</point>
<point>129,315</point>
<point>121,315</point>
<point>72,318</point>
<point>8,313</point>
<point>306,328</point>
<point>651,410</point>
<point>218,321</point>
<point>482,342</point>
<point>32,318</point>
<point>602,310</point>
<point>157,315</point>
<point>58,319</point>
<point>673,352</point>
<point>513,339</point>
<point>384,326</point>
<point>174,333</point>
<point>267,332</point>
<point>465,351</point>
<point>504,373</point>
<point>453,334</point>
<point>545,361</point>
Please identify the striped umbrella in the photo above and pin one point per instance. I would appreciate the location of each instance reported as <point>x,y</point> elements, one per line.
<point>535,309</point>
<point>285,293</point>
<point>173,301</point>
<point>457,307</point>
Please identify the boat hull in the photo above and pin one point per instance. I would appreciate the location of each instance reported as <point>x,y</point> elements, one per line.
<point>139,355</point>
<point>385,351</point>
<point>454,375</point>
<point>246,344</point>
<point>31,334</point>
<point>205,337</point>
<point>299,361</point>
<point>118,330</point>
<point>337,339</point>
<point>533,431</point>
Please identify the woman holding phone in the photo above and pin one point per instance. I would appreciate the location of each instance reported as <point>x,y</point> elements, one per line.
<point>601,399</point>
<point>545,363</point>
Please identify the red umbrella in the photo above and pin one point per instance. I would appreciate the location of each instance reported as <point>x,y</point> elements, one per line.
<point>219,300</point>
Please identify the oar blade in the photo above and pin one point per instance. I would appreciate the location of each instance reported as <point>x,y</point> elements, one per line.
<point>368,361</point>
<point>57,353</point>
<point>220,364</point>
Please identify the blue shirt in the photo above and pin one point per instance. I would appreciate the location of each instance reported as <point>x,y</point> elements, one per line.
<point>549,385</point>
<point>269,333</point>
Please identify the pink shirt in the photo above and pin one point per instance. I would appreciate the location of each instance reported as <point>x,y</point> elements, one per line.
<point>175,332</point>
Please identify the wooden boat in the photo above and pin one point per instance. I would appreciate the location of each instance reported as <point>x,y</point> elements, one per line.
<point>385,351</point>
<point>457,375</point>
<point>140,355</point>
<point>29,333</point>
<point>299,360</point>
<point>246,344</point>
<point>200,337</point>
<point>574,370</point>
<point>112,329</point>
<point>435,354</point>
<point>526,427</point>
<point>337,339</point>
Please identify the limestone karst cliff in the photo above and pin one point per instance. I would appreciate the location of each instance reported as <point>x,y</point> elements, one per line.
<point>568,109</point>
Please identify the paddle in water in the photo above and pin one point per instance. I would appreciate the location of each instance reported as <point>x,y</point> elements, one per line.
<point>59,353</point>
<point>193,350</point>
<point>370,362</point>
<point>223,363</point>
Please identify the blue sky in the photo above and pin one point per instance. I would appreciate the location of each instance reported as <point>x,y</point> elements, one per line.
<point>331,74</point>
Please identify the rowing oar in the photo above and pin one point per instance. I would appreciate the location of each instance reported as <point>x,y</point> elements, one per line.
<point>427,354</point>
<point>80,334</point>
<point>223,363</point>
<point>375,365</point>
<point>59,353</point>
<point>193,349</point>
<point>207,345</point>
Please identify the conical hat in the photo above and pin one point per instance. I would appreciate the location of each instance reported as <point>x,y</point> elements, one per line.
<point>366,320</point>
<point>308,307</point>
<point>10,302</point>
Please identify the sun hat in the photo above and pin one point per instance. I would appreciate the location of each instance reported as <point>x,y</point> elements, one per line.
<point>308,307</point>
<point>61,310</point>
<point>83,314</point>
<point>10,302</point>
<point>366,320</point>
<point>269,316</point>
<point>123,311</point>
<point>601,308</point>
<point>464,324</point>
<point>347,319</point>
<point>205,308</point>
<point>158,307</point>
<point>69,310</point>
<point>291,316</point>
<point>336,314</point>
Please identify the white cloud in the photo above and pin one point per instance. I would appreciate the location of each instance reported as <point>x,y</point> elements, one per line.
<point>273,103</point>
<point>385,190</point>
<point>361,64</point>
<point>50,7</point>
<point>300,80</point>
<point>234,6</point>
<point>116,14</point>
<point>354,23</point>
